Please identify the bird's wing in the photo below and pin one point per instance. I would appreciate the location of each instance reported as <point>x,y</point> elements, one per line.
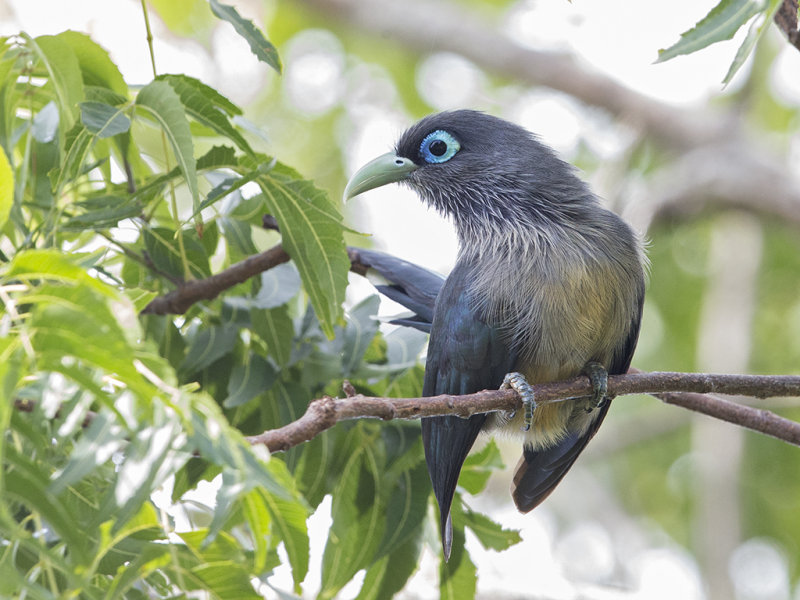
<point>465,355</point>
<point>404,282</point>
<point>539,471</point>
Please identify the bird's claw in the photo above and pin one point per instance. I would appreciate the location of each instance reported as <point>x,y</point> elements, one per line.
<point>598,376</point>
<point>518,383</point>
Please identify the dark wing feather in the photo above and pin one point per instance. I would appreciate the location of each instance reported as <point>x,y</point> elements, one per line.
<point>465,355</point>
<point>412,286</point>
<point>539,471</point>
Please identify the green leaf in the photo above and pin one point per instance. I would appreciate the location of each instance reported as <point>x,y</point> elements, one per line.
<point>278,285</point>
<point>248,380</point>
<point>77,143</point>
<point>479,466</point>
<point>491,535</point>
<point>6,188</point>
<point>289,515</point>
<point>102,212</point>
<point>53,264</point>
<point>73,321</point>
<point>205,105</point>
<point>259,45</point>
<point>757,29</point>
<point>720,24</point>
<point>98,443</point>
<point>27,483</point>
<point>164,250</point>
<point>95,64</point>
<point>458,576</point>
<point>63,71</point>
<point>104,120</point>
<point>209,345</point>
<point>220,565</point>
<point>312,235</point>
<point>151,456</point>
<point>275,327</point>
<point>389,575</point>
<point>407,504</point>
<point>165,106</point>
<point>362,326</point>
<point>357,518</point>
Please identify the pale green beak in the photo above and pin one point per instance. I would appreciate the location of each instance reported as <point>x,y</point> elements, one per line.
<point>387,168</point>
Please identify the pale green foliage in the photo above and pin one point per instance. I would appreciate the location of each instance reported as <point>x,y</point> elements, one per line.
<point>722,23</point>
<point>110,417</point>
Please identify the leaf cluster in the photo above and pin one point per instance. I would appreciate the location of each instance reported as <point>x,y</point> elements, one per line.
<point>125,473</point>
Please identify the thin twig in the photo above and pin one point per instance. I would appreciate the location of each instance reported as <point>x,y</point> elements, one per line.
<point>682,389</point>
<point>178,301</point>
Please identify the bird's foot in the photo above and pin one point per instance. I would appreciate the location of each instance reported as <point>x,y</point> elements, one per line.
<point>518,383</point>
<point>598,376</point>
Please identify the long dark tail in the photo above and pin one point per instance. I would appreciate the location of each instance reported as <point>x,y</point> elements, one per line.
<point>447,441</point>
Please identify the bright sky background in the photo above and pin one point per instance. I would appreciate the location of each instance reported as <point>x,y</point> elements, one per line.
<point>616,36</point>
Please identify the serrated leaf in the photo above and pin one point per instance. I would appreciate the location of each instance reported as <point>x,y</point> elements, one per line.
<point>407,505</point>
<point>275,327</point>
<point>260,523</point>
<point>249,379</point>
<point>491,535</point>
<point>312,234</point>
<point>96,65</point>
<point>358,334</point>
<point>103,212</point>
<point>720,24</point>
<point>77,142</point>
<point>479,466</point>
<point>104,120</point>
<point>151,456</point>
<point>6,188</point>
<point>259,45</point>
<point>390,574</point>
<point>98,443</point>
<point>205,105</point>
<point>289,515</point>
<point>26,482</point>
<point>164,250</point>
<point>220,565</point>
<point>52,264</point>
<point>209,345</point>
<point>754,33</point>
<point>164,105</point>
<point>74,321</point>
<point>357,518</point>
<point>278,285</point>
<point>63,72</point>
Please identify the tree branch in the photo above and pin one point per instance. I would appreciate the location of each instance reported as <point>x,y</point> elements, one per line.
<point>444,26</point>
<point>786,20</point>
<point>681,389</point>
<point>178,301</point>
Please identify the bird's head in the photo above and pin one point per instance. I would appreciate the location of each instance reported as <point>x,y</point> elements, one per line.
<point>486,173</point>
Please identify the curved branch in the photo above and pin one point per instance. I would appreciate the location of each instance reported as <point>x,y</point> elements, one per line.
<point>178,301</point>
<point>681,389</point>
<point>445,26</point>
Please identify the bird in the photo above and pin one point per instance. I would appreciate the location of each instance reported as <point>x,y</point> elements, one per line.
<point>548,284</point>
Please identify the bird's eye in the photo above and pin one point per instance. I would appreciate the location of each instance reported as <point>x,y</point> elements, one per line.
<point>438,147</point>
